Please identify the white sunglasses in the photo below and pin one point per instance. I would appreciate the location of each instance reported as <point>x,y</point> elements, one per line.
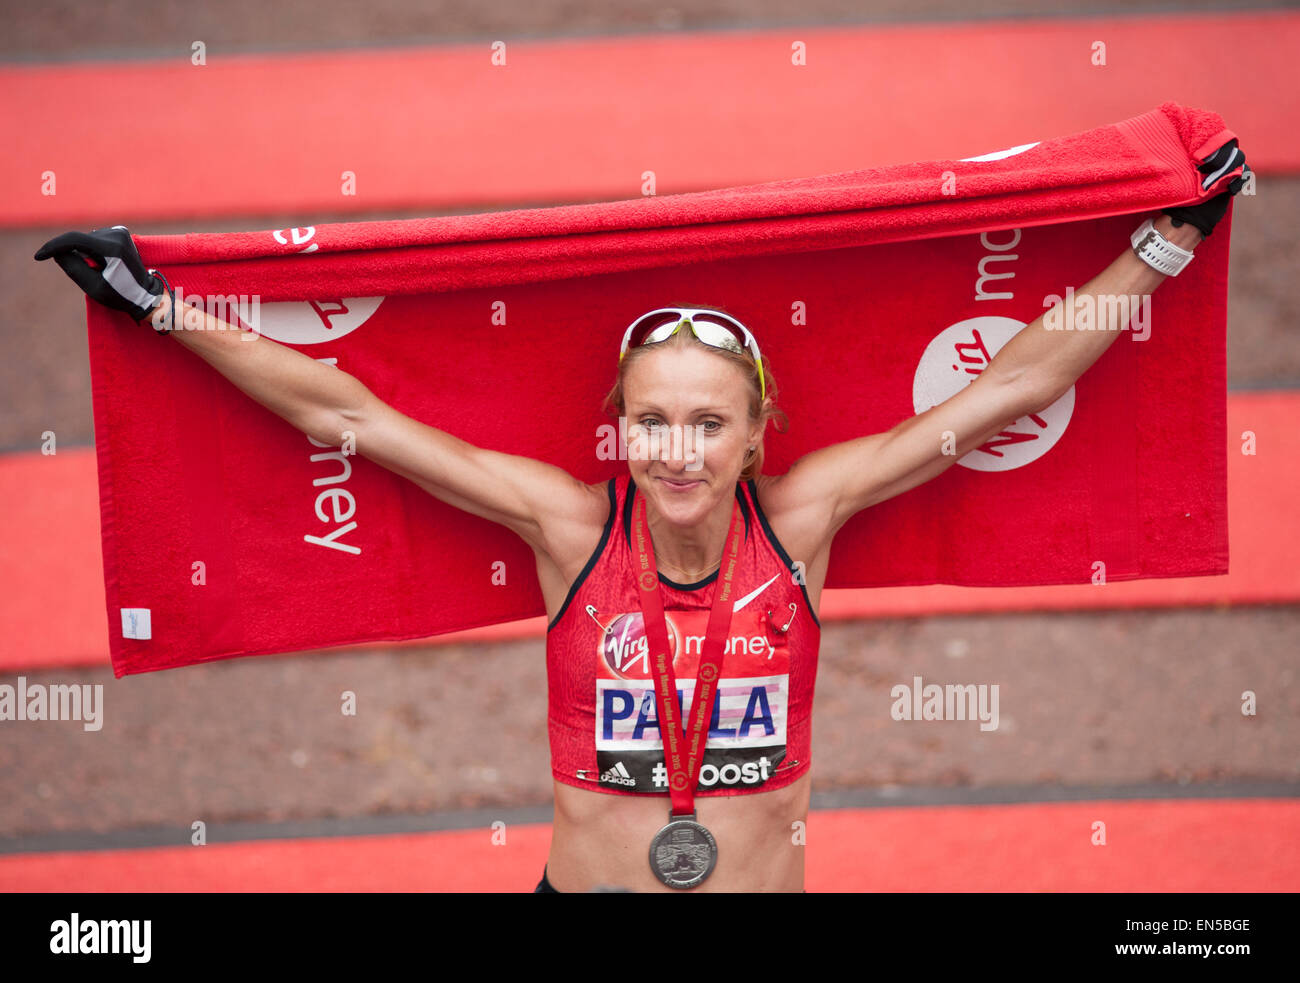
<point>712,327</point>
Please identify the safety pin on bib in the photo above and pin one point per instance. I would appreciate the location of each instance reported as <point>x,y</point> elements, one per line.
<point>591,610</point>
<point>786,627</point>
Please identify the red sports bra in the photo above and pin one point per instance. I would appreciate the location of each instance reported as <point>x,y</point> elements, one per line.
<point>602,712</point>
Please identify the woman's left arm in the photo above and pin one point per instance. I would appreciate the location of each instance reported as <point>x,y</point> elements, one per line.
<point>1050,353</point>
<point>825,488</point>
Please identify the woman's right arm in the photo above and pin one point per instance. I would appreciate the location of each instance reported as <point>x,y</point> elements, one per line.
<point>543,504</point>
<point>305,392</point>
<point>552,511</point>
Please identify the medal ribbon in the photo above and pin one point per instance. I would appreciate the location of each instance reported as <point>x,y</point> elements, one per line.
<point>684,748</point>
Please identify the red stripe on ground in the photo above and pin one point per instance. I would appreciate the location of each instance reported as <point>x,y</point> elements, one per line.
<point>52,602</point>
<point>580,120</point>
<point>1167,845</point>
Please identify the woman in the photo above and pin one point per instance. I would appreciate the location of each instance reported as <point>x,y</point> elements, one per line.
<point>687,525</point>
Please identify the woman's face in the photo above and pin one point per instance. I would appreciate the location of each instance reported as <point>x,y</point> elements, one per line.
<point>688,430</point>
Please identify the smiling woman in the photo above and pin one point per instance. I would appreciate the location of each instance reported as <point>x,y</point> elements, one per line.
<point>682,656</point>
<point>670,383</point>
<point>762,392</point>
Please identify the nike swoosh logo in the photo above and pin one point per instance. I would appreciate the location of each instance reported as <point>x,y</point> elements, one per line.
<point>749,597</point>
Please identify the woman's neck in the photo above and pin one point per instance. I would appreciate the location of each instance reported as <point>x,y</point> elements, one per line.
<point>694,552</point>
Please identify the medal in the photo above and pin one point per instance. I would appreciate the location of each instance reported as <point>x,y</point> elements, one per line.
<point>684,852</point>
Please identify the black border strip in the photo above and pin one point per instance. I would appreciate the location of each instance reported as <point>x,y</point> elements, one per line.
<point>688,587</point>
<point>591,560</point>
<point>627,512</point>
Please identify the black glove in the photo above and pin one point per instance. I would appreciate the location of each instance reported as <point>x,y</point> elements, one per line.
<point>1205,215</point>
<point>105,264</point>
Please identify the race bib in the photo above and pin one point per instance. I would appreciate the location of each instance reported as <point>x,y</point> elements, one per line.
<point>747,729</point>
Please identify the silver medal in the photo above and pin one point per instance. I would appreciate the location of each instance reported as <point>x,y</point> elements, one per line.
<point>683,853</point>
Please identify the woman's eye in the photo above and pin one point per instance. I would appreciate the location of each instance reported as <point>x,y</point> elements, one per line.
<point>652,423</point>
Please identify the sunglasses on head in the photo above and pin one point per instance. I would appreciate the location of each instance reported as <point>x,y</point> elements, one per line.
<point>711,327</point>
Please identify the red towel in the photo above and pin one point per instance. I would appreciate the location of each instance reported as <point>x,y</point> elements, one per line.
<point>1127,470</point>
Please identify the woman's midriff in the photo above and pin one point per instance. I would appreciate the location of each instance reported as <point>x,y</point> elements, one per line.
<point>603,840</point>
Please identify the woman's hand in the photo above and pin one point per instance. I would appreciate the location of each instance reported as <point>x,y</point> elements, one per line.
<point>105,264</point>
<point>1205,215</point>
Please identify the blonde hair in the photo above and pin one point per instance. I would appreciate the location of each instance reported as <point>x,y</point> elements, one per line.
<point>615,405</point>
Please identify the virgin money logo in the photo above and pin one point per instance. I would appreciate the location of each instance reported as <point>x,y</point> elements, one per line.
<point>298,237</point>
<point>954,359</point>
<point>626,649</point>
<point>313,322</point>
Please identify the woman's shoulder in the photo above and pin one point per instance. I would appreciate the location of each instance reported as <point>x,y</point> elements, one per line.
<point>792,513</point>
<point>575,526</point>
<point>770,493</point>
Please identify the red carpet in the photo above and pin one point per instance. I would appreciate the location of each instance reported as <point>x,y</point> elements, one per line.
<point>467,133</point>
<point>1177,846</point>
